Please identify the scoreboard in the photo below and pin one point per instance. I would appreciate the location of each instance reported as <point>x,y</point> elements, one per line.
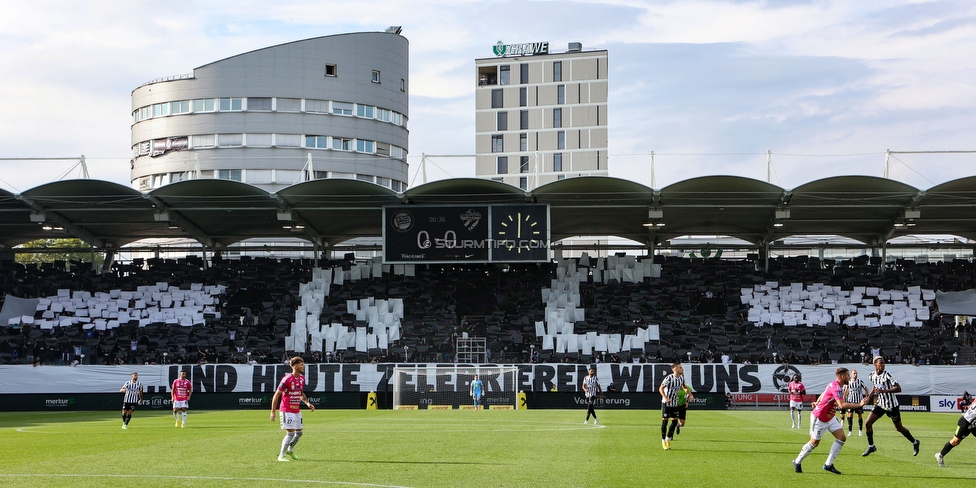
<point>466,233</point>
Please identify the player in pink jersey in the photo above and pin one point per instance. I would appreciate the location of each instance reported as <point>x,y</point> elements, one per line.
<point>824,420</point>
<point>290,394</point>
<point>797,390</point>
<point>181,391</point>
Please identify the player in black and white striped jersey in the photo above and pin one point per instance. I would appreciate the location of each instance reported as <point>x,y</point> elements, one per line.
<point>854,392</point>
<point>883,392</point>
<point>671,389</point>
<point>133,395</point>
<point>965,426</point>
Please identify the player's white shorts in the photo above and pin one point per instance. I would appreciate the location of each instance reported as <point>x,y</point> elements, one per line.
<point>796,405</point>
<point>291,421</point>
<point>819,427</point>
<point>181,404</point>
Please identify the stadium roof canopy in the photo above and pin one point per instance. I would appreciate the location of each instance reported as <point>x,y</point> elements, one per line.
<point>327,212</point>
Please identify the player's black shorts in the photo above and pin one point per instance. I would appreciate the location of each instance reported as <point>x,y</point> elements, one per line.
<point>672,412</point>
<point>129,406</point>
<point>684,412</point>
<point>964,428</point>
<point>591,400</point>
<point>855,410</point>
<point>894,414</point>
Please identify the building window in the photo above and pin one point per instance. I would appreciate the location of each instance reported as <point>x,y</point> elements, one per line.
<point>230,140</point>
<point>231,104</point>
<point>288,140</point>
<point>364,111</point>
<point>561,140</point>
<point>557,71</point>
<point>160,109</point>
<point>259,176</point>
<point>497,143</point>
<point>560,177</point>
<point>497,99</point>
<point>368,178</point>
<point>317,106</point>
<point>202,140</point>
<point>316,142</point>
<point>557,161</point>
<point>376,76</point>
<point>259,103</point>
<point>524,183</point>
<point>523,120</point>
<point>504,75</point>
<point>383,181</point>
<point>403,85</point>
<point>523,142</point>
<point>502,168</point>
<point>229,174</point>
<point>523,96</point>
<point>342,108</point>
<point>523,164</point>
<point>180,107</point>
<point>561,94</point>
<point>330,70</point>
<point>557,117</point>
<point>342,144</point>
<point>288,105</point>
<point>205,105</point>
<point>258,140</point>
<point>523,73</point>
<point>501,121</point>
<point>365,146</point>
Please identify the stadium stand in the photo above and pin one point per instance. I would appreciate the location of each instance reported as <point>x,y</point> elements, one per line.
<point>618,308</point>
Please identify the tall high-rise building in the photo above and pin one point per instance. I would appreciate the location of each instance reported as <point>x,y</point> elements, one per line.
<point>327,107</point>
<point>540,116</point>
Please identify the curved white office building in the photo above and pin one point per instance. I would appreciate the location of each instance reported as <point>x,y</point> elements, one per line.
<point>326,107</point>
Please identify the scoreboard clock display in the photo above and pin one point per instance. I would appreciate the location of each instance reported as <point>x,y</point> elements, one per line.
<point>519,233</point>
<point>466,234</point>
<point>436,234</point>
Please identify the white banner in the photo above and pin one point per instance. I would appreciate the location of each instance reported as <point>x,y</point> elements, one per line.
<point>331,377</point>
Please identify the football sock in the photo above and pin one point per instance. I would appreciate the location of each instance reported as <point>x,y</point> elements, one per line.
<point>860,424</point>
<point>286,442</point>
<point>176,414</point>
<point>296,435</point>
<point>946,448</point>
<point>870,434</point>
<point>674,424</point>
<point>850,424</point>
<point>184,417</point>
<point>664,429</point>
<point>805,451</point>
<point>908,435</point>
<point>834,451</point>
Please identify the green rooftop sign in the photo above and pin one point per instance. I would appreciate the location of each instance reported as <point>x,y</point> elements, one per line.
<point>501,49</point>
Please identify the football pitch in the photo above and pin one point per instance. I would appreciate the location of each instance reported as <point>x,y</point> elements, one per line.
<point>459,448</point>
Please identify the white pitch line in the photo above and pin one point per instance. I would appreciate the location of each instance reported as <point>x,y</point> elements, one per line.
<point>203,478</point>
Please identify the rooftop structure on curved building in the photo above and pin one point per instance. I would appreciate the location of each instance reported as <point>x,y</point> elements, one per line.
<point>326,107</point>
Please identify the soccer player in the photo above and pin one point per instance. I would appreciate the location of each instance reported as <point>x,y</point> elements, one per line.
<point>884,391</point>
<point>181,391</point>
<point>132,397</point>
<point>796,390</point>
<point>592,390</point>
<point>854,392</point>
<point>824,420</point>
<point>672,386</point>
<point>965,426</point>
<point>291,396</point>
<point>476,392</point>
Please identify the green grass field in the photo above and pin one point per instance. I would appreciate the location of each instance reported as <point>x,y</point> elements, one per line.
<point>459,448</point>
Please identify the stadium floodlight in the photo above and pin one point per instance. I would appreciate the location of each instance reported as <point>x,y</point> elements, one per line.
<point>448,387</point>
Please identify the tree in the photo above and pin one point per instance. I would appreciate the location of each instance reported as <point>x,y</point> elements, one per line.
<point>59,250</point>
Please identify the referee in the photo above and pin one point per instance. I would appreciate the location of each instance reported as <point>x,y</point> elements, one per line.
<point>854,392</point>
<point>133,395</point>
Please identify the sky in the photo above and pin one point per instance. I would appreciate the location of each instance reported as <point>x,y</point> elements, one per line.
<point>826,87</point>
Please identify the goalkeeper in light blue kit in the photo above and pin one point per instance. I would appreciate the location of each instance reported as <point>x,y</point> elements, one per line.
<point>476,392</point>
